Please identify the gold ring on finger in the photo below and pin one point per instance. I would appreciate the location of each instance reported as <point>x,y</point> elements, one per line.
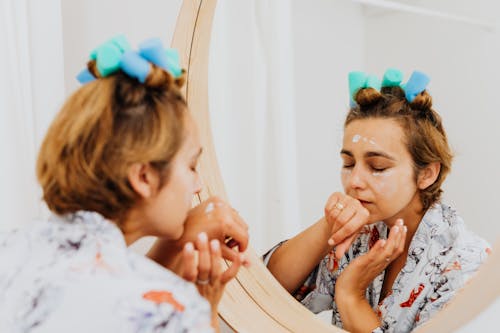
<point>202,282</point>
<point>339,206</point>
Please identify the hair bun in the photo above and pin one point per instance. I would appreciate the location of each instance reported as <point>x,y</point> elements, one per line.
<point>157,77</point>
<point>422,102</point>
<point>367,96</point>
<point>160,78</point>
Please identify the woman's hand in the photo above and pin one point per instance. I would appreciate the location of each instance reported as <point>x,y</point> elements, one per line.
<point>360,272</point>
<point>350,288</point>
<point>206,271</point>
<point>214,217</point>
<point>219,221</point>
<point>346,216</point>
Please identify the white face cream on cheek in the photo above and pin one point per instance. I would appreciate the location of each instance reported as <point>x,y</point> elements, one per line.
<point>384,183</point>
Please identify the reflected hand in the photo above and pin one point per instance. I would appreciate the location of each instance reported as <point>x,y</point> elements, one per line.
<point>346,216</point>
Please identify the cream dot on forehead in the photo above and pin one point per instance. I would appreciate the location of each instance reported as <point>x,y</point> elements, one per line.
<point>357,137</point>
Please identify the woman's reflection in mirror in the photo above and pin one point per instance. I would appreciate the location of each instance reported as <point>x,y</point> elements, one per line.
<point>388,253</point>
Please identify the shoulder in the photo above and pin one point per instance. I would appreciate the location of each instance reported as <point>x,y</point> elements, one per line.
<point>468,248</point>
<point>456,250</point>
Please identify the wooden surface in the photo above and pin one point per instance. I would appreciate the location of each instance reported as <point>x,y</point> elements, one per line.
<point>254,301</point>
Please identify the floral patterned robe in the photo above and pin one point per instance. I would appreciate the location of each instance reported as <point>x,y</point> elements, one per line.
<point>76,274</point>
<point>442,256</point>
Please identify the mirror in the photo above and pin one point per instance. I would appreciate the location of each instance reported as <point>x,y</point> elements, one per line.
<point>278,98</point>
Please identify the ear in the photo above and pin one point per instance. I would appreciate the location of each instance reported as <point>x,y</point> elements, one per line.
<point>428,175</point>
<point>143,179</point>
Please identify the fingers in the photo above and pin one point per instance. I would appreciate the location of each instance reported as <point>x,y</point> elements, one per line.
<point>232,227</point>
<point>189,271</point>
<point>350,227</point>
<point>390,249</point>
<point>333,206</point>
<point>341,248</point>
<point>216,257</point>
<point>232,270</point>
<point>235,236</point>
<point>204,259</point>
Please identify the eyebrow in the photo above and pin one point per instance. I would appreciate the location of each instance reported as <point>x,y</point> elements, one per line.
<point>369,154</point>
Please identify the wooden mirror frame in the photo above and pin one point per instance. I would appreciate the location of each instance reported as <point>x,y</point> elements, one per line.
<point>255,301</point>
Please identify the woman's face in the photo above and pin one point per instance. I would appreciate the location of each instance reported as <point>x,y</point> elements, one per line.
<point>168,207</point>
<point>378,169</point>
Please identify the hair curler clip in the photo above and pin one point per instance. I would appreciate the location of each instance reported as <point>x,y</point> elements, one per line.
<point>416,84</point>
<point>360,80</point>
<point>116,54</point>
<point>392,78</point>
<point>153,51</point>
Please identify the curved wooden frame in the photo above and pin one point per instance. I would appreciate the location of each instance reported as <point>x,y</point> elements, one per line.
<point>255,301</point>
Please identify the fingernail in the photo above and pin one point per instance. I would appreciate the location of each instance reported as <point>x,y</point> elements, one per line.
<point>395,229</point>
<point>214,243</point>
<point>382,243</point>
<point>405,228</point>
<point>202,236</point>
<point>331,242</point>
<point>400,222</point>
<point>189,247</point>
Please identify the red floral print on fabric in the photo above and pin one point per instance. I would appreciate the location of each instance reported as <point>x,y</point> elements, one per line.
<point>455,266</point>
<point>333,263</point>
<point>374,237</point>
<point>160,296</point>
<point>413,296</point>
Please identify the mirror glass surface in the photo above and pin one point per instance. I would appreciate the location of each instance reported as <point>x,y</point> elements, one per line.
<point>279,95</point>
<point>278,98</point>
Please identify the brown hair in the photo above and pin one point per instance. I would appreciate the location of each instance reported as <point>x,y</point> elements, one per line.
<point>425,136</point>
<point>102,129</point>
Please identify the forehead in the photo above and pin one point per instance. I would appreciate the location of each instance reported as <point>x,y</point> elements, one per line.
<point>191,134</point>
<point>375,134</point>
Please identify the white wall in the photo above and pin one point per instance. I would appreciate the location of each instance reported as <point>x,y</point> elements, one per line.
<point>87,24</point>
<point>462,61</point>
<point>329,39</point>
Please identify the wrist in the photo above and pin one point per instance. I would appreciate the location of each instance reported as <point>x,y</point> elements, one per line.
<point>165,252</point>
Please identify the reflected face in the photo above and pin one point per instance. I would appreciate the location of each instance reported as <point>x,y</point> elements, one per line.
<point>377,168</point>
<point>169,207</point>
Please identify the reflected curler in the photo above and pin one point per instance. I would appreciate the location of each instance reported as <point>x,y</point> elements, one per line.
<point>416,84</point>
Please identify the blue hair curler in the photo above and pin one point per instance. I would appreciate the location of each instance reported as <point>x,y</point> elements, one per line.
<point>85,76</point>
<point>416,84</point>
<point>392,78</point>
<point>135,66</point>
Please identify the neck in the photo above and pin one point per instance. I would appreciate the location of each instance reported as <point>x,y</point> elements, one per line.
<point>131,228</point>
<point>412,215</point>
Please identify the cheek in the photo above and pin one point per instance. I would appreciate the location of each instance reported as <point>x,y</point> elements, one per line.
<point>345,174</point>
<point>385,184</point>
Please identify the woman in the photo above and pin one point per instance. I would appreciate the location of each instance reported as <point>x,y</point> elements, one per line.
<point>388,254</point>
<point>119,163</point>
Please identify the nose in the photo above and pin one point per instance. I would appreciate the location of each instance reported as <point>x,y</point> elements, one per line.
<point>356,179</point>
